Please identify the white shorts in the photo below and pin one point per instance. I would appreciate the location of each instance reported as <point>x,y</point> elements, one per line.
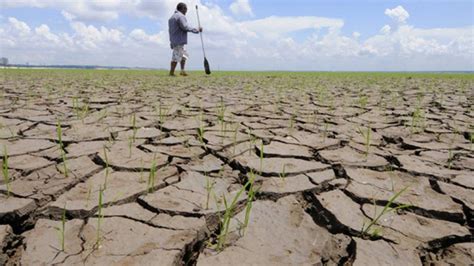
<point>179,53</point>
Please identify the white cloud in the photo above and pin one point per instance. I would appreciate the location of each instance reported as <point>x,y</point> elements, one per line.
<point>90,37</point>
<point>398,13</point>
<point>385,29</point>
<point>43,31</point>
<point>241,7</point>
<point>275,27</point>
<point>20,27</point>
<point>265,43</point>
<point>141,36</point>
<point>101,10</point>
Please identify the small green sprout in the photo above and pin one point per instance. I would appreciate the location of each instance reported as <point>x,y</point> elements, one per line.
<point>261,157</point>
<point>100,216</point>
<point>107,169</point>
<point>387,209</point>
<point>62,230</point>
<point>250,198</point>
<point>209,187</point>
<point>61,147</point>
<point>151,177</point>
<point>134,127</point>
<point>6,176</point>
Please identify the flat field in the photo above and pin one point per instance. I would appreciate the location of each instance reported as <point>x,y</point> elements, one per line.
<point>137,168</point>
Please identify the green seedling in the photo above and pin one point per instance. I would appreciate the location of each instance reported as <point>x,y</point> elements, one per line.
<point>253,141</point>
<point>221,113</point>
<point>151,177</point>
<point>100,216</point>
<point>366,136</point>
<point>250,198</point>
<point>75,106</point>
<point>6,176</point>
<point>107,169</point>
<point>134,127</point>
<point>162,113</point>
<point>209,188</point>
<point>62,230</point>
<point>417,120</point>
<point>61,147</point>
<point>84,111</point>
<point>225,222</point>
<point>261,157</point>
<point>363,101</point>
<point>387,209</point>
<point>282,175</point>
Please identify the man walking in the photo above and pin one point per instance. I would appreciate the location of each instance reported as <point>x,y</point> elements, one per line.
<point>178,30</point>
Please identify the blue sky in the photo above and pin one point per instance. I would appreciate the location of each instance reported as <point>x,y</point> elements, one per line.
<point>332,35</point>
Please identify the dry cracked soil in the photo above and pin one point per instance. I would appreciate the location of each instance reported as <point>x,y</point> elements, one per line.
<point>136,168</point>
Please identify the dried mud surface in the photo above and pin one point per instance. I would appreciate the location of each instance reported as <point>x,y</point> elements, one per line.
<point>130,185</point>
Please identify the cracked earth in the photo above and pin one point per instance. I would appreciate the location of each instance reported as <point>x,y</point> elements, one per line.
<point>130,183</point>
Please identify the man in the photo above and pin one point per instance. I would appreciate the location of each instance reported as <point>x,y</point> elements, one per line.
<point>178,30</point>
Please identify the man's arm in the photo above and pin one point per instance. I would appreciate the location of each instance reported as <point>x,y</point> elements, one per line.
<point>183,24</point>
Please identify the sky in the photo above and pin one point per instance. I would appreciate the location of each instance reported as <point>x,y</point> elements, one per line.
<point>297,35</point>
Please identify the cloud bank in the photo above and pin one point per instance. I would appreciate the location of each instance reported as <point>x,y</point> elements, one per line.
<point>232,42</point>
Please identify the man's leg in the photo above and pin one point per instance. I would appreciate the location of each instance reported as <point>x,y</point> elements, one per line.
<point>173,67</point>
<point>183,65</point>
<point>184,57</point>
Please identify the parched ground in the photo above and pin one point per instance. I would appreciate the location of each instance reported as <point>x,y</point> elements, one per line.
<point>143,167</point>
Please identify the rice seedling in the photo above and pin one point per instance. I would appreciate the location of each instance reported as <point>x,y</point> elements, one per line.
<point>134,127</point>
<point>107,169</point>
<point>6,176</point>
<point>84,111</point>
<point>282,175</point>
<point>221,113</point>
<point>100,217</point>
<point>251,142</point>
<point>209,188</point>
<point>75,106</point>
<point>225,222</point>
<point>162,113</point>
<point>261,157</point>
<point>59,133</point>
<point>450,155</point>
<point>366,228</point>
<point>417,120</point>
<point>250,198</point>
<point>151,177</point>
<point>62,230</point>
<point>363,99</point>
<point>366,136</point>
